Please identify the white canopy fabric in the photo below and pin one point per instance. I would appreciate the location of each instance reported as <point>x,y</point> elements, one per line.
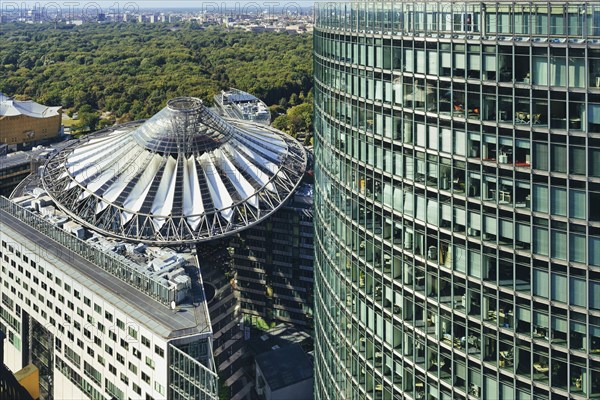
<point>186,174</point>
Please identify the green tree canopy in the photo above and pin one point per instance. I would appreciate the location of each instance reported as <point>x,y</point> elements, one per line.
<point>131,70</point>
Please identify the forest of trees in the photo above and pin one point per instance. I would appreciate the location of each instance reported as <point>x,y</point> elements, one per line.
<point>121,72</point>
<point>294,116</point>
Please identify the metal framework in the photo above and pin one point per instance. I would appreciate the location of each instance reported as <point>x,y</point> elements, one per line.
<point>185,175</point>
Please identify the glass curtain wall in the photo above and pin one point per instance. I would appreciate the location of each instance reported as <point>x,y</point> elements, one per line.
<point>456,239</point>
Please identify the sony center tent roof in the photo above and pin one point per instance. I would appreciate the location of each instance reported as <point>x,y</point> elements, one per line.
<point>185,175</point>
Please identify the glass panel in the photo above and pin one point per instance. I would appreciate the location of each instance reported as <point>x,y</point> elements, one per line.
<point>446,140</point>
<point>540,156</point>
<point>460,143</point>
<point>594,290</point>
<point>594,166</point>
<point>559,158</point>
<point>191,372</point>
<point>460,258</point>
<point>540,240</point>
<point>540,70</point>
<point>577,248</point>
<point>594,251</point>
<point>474,264</point>
<point>540,198</point>
<point>558,202</point>
<point>577,292</point>
<point>540,283</point>
<point>576,72</point>
<point>559,244</point>
<point>577,203</point>
<point>559,288</point>
<point>558,71</point>
<point>577,160</point>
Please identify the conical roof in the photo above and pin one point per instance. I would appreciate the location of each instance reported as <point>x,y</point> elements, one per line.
<point>184,175</point>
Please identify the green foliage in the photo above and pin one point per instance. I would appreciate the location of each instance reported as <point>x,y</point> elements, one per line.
<point>282,123</point>
<point>276,110</point>
<point>297,119</point>
<point>223,390</point>
<point>88,121</point>
<point>131,70</point>
<point>262,324</point>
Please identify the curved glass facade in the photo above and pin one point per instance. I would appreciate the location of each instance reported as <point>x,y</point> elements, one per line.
<point>457,160</point>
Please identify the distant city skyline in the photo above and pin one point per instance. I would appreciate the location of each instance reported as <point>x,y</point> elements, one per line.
<point>51,11</point>
<point>158,4</point>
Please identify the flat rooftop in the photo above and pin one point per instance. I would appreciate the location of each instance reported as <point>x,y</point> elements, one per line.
<point>25,156</point>
<point>187,319</point>
<point>285,366</point>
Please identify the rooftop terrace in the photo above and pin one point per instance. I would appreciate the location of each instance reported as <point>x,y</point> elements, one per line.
<point>109,275</point>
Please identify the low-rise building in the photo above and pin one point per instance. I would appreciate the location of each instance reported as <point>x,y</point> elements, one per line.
<point>27,121</point>
<point>284,373</point>
<point>16,166</point>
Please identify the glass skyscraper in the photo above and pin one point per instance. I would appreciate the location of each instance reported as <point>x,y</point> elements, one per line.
<point>457,233</point>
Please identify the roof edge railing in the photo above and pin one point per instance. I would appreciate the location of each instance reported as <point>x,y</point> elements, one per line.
<point>115,265</point>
